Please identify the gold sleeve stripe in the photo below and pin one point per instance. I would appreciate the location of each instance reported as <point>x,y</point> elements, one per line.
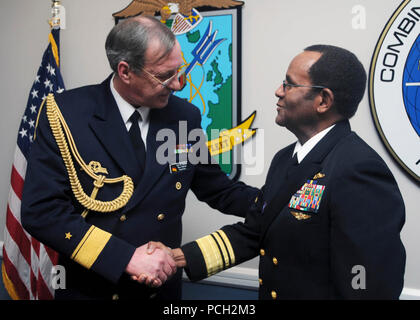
<point>222,248</point>
<point>211,254</point>
<point>228,245</point>
<point>92,244</point>
<point>217,252</point>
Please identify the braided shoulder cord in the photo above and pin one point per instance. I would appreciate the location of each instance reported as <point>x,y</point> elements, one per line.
<point>58,124</point>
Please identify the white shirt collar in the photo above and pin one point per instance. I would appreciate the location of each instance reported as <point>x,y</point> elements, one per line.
<point>303,150</point>
<point>127,109</point>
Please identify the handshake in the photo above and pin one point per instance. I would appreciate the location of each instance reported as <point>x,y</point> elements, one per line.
<point>154,263</point>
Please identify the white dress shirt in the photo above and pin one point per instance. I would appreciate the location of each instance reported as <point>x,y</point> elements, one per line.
<point>127,110</point>
<point>303,150</point>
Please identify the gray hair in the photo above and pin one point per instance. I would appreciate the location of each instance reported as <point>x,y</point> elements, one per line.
<point>128,41</point>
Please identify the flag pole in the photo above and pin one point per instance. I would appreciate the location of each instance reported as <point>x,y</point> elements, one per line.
<point>55,23</point>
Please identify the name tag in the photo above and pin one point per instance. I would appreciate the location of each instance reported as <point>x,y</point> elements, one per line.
<point>177,167</point>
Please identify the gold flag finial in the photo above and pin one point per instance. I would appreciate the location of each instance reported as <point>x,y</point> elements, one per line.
<point>54,22</point>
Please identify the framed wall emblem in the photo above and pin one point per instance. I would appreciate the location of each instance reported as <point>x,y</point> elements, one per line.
<point>394,86</point>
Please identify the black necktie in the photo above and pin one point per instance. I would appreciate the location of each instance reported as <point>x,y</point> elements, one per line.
<point>295,160</point>
<point>136,139</point>
<point>292,165</point>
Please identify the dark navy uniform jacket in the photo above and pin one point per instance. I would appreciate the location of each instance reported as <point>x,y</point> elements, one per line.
<point>347,248</point>
<point>95,251</point>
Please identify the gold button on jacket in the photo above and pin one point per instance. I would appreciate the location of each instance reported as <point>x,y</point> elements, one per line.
<point>274,295</point>
<point>160,217</point>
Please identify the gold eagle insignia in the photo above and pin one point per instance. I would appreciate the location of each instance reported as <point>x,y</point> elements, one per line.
<point>151,7</point>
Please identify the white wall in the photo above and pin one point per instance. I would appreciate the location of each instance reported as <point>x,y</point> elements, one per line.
<point>273,32</point>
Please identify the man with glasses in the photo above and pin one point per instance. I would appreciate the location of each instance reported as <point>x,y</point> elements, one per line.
<point>327,223</point>
<point>115,124</point>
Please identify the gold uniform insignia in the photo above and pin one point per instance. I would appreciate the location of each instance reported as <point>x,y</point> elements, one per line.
<point>319,175</point>
<point>300,215</point>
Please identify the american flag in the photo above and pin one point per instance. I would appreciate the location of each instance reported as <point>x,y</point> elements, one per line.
<point>27,263</point>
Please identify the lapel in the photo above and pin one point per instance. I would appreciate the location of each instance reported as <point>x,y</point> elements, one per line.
<point>295,178</point>
<point>108,126</point>
<point>159,119</point>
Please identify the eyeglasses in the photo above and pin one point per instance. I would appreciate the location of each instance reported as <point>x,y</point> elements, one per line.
<point>179,75</point>
<point>285,85</point>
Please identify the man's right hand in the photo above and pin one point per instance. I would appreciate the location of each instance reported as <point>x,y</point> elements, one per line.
<point>157,267</point>
<point>177,254</point>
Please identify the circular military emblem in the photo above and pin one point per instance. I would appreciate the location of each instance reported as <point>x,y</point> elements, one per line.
<point>394,86</point>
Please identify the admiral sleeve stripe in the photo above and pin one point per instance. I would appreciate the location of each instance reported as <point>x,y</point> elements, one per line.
<point>211,254</point>
<point>222,248</point>
<point>217,252</point>
<point>228,246</point>
<point>89,248</point>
